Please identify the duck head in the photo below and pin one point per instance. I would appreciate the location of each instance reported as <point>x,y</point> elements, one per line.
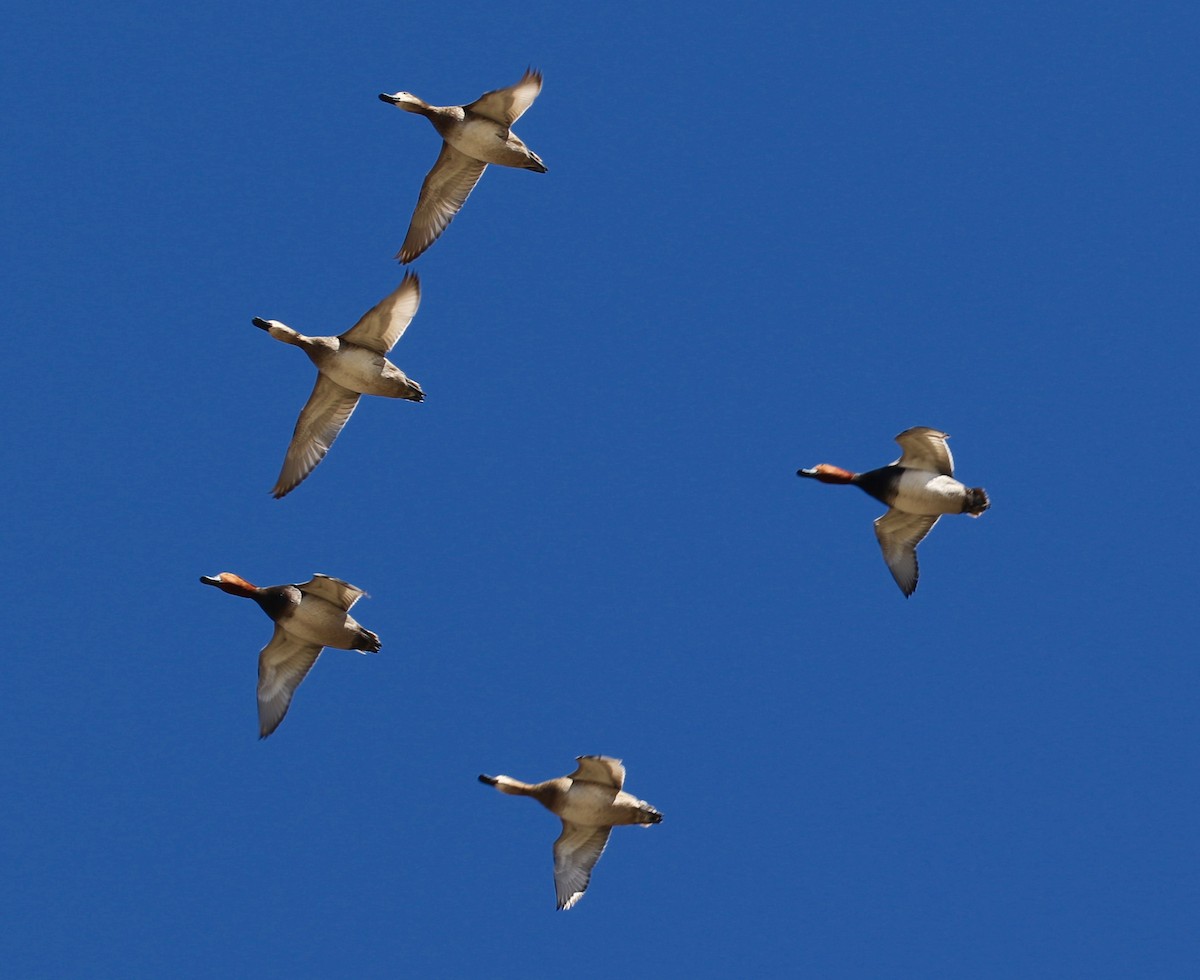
<point>506,784</point>
<point>827,474</point>
<point>404,100</point>
<point>233,584</point>
<point>280,331</point>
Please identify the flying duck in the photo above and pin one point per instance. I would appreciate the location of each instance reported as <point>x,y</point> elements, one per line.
<point>918,488</point>
<point>307,617</point>
<point>473,136</point>
<point>590,802</point>
<point>352,364</point>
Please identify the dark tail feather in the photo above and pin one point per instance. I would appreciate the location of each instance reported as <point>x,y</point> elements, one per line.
<point>977,502</point>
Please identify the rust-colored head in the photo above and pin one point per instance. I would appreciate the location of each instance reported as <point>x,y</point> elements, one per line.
<point>827,473</point>
<point>233,584</point>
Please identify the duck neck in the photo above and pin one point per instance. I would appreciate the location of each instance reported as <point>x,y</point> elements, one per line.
<point>548,794</point>
<point>274,601</point>
<point>514,787</point>
<point>236,585</point>
<point>417,106</point>
<point>881,483</point>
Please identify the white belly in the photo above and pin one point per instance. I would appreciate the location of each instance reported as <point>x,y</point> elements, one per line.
<point>923,492</point>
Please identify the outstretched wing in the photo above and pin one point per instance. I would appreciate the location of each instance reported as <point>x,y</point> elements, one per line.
<point>507,105</point>
<point>575,854</point>
<point>925,449</point>
<point>443,194</point>
<point>328,409</point>
<point>599,769</point>
<point>899,534</point>
<point>282,665</point>
<point>341,594</point>
<point>385,323</point>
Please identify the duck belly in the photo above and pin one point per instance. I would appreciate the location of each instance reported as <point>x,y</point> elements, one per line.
<point>363,370</point>
<point>316,620</point>
<point>483,139</point>
<point>589,805</point>
<point>930,494</point>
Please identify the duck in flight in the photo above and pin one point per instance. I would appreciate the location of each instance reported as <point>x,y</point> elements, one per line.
<point>352,364</point>
<point>308,617</point>
<point>590,802</point>
<point>473,136</point>
<point>918,488</point>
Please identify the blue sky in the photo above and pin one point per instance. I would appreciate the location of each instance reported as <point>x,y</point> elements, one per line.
<point>768,238</point>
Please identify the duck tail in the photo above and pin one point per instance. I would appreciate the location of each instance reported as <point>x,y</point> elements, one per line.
<point>367,642</point>
<point>977,501</point>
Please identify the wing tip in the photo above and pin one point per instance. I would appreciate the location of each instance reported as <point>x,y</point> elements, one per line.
<point>285,486</point>
<point>907,587</point>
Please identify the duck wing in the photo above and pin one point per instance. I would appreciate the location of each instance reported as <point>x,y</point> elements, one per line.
<point>507,105</point>
<point>575,854</point>
<point>282,665</point>
<point>443,194</point>
<point>599,769</point>
<point>925,449</point>
<point>899,534</point>
<point>341,594</point>
<point>385,323</point>
<point>328,409</point>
